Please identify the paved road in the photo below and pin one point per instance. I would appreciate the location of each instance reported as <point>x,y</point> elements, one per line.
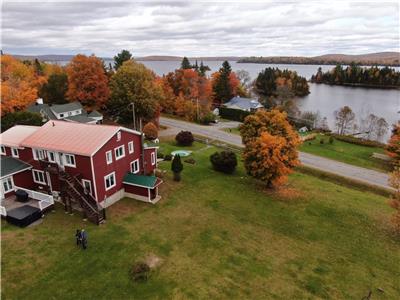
<point>214,132</point>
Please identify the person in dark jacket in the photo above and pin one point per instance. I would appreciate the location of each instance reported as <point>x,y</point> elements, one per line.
<point>78,237</point>
<point>84,238</point>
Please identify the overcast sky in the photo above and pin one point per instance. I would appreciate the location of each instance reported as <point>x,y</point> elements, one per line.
<point>200,29</point>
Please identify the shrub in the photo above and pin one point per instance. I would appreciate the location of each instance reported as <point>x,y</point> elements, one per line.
<point>177,167</point>
<point>233,114</point>
<point>309,137</point>
<point>167,157</point>
<point>190,160</point>
<point>331,140</point>
<point>150,131</point>
<point>20,118</point>
<point>357,141</point>
<point>140,271</point>
<point>184,138</point>
<point>224,161</point>
<point>322,141</point>
<point>207,118</point>
<point>160,155</point>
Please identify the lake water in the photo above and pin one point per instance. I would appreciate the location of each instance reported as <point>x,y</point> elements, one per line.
<point>323,98</point>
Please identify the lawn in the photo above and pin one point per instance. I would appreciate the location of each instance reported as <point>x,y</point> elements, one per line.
<point>219,236</point>
<point>346,152</point>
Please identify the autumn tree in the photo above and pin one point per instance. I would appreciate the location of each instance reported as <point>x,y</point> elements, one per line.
<point>87,82</point>
<point>393,146</point>
<point>121,57</point>
<point>394,181</point>
<point>133,83</point>
<point>345,120</point>
<point>150,131</point>
<point>270,146</point>
<point>185,64</point>
<point>20,118</point>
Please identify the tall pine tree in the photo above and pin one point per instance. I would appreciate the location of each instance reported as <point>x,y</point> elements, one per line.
<point>121,57</point>
<point>221,87</point>
<point>185,63</point>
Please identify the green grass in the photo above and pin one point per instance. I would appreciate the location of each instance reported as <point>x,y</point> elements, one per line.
<point>219,237</point>
<point>346,152</point>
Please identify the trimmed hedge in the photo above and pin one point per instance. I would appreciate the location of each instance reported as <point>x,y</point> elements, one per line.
<point>224,161</point>
<point>184,138</point>
<point>233,114</point>
<point>357,141</point>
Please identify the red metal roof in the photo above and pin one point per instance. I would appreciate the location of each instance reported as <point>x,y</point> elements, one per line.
<point>15,135</point>
<point>70,137</point>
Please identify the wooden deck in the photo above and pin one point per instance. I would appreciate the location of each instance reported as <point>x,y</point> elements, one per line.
<point>11,203</point>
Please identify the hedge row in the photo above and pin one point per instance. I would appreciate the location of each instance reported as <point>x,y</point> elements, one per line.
<point>358,141</point>
<point>233,114</point>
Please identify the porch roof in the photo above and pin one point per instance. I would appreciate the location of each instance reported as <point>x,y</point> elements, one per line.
<point>142,180</point>
<point>11,165</point>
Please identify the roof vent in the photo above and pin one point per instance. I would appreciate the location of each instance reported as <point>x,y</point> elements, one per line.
<point>39,101</point>
<point>53,124</point>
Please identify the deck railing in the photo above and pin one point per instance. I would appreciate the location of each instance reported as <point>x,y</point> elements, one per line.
<point>3,211</point>
<point>44,199</point>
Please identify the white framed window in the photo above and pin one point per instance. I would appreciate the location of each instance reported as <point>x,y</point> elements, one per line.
<point>7,184</point>
<point>14,152</point>
<point>153,158</point>
<point>2,150</point>
<point>119,152</point>
<point>87,184</point>
<point>51,156</point>
<point>130,147</point>
<point>61,115</point>
<point>118,136</point>
<point>38,176</point>
<point>69,160</point>
<point>38,154</point>
<point>77,112</point>
<point>135,166</point>
<point>109,157</point>
<point>109,181</point>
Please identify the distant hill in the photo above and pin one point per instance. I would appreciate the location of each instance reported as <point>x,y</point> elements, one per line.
<point>381,58</point>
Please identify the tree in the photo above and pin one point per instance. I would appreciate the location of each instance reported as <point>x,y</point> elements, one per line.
<point>121,57</point>
<point>133,83</point>
<point>224,161</point>
<point>203,69</point>
<point>150,131</point>
<point>20,118</point>
<point>270,146</point>
<point>185,64</point>
<point>87,82</point>
<point>394,181</point>
<point>184,138</point>
<point>54,91</point>
<point>177,167</point>
<point>344,118</point>
<point>393,146</point>
<point>222,89</point>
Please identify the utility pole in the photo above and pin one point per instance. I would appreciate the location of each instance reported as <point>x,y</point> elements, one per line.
<point>197,109</point>
<point>133,115</point>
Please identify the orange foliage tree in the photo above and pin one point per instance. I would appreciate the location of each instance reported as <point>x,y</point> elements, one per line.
<point>393,146</point>
<point>19,84</point>
<point>395,200</point>
<point>87,81</point>
<point>270,146</point>
<point>150,131</point>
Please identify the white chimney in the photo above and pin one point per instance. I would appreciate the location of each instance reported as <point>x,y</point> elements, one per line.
<point>39,101</point>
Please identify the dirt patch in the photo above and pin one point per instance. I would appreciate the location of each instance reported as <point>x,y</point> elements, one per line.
<point>285,193</point>
<point>124,208</point>
<point>153,261</point>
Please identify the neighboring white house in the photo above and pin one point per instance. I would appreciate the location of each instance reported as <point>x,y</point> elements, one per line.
<point>247,104</point>
<point>72,112</point>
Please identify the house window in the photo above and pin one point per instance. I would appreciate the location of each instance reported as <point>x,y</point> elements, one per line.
<point>38,154</point>
<point>109,157</point>
<point>135,166</point>
<point>119,152</point>
<point>14,152</point>
<point>109,181</point>
<point>118,136</point>
<point>70,160</point>
<point>7,184</point>
<point>69,113</point>
<point>38,176</point>
<point>87,185</point>
<point>130,147</point>
<point>77,112</point>
<point>3,150</point>
<point>153,158</point>
<point>51,156</point>
<point>61,115</point>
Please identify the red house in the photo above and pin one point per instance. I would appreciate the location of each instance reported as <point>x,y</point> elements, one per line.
<point>89,165</point>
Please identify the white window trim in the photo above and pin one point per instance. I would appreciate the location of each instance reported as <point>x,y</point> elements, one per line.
<point>49,156</point>
<point>66,162</point>
<point>3,150</point>
<point>12,184</point>
<point>111,157</point>
<point>123,152</point>
<point>138,166</point>
<point>37,181</point>
<point>153,158</point>
<point>12,152</point>
<point>131,149</point>
<point>90,185</point>
<point>118,136</point>
<point>35,157</point>
<point>105,181</point>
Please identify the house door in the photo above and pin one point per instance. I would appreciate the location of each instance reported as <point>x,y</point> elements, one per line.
<point>61,160</point>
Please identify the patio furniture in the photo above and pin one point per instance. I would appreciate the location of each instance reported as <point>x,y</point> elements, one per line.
<point>22,196</point>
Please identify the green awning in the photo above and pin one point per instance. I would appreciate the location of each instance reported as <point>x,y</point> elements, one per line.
<point>142,180</point>
<point>11,165</point>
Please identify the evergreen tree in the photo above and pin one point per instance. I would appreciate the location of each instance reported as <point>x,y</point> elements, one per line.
<point>222,88</point>
<point>203,69</point>
<point>196,66</point>
<point>121,57</point>
<point>185,64</point>
<point>177,167</point>
<point>38,67</point>
<point>55,89</point>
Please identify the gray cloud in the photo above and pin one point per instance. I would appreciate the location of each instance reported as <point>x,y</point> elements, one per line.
<point>201,28</point>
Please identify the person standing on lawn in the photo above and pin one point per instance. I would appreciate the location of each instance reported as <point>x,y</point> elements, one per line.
<point>84,238</point>
<point>78,237</point>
